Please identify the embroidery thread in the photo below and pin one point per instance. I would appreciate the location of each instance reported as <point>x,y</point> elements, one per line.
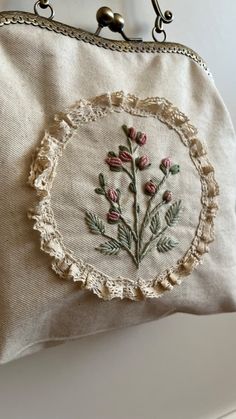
<point>131,237</point>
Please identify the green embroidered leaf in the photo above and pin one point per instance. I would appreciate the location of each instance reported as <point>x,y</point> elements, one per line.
<point>109,248</point>
<point>124,235</point>
<point>111,154</point>
<point>124,148</point>
<point>165,244</point>
<point>132,187</point>
<point>113,207</point>
<point>173,214</point>
<point>118,193</point>
<point>155,224</point>
<point>116,168</point>
<point>99,191</point>
<point>163,169</point>
<point>102,180</point>
<point>125,129</point>
<point>95,224</point>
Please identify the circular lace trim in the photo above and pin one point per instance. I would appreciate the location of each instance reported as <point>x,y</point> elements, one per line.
<point>43,172</point>
<point>7,18</point>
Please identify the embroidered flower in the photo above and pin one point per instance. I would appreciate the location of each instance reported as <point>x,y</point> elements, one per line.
<point>166,165</point>
<point>150,188</point>
<point>147,230</point>
<point>166,162</point>
<point>115,163</point>
<point>167,197</point>
<point>113,217</point>
<point>141,139</point>
<point>132,132</point>
<point>143,162</point>
<point>112,194</point>
<point>125,156</point>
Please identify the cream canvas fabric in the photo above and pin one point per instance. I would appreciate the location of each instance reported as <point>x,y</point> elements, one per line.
<point>64,100</point>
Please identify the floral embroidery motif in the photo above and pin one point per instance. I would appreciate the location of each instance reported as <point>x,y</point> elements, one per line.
<point>69,266</point>
<point>131,238</point>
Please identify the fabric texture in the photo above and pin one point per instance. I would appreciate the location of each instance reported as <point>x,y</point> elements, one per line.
<point>42,74</point>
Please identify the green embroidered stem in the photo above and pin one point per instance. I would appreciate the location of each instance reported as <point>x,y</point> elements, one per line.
<point>150,244</point>
<point>162,182</point>
<point>136,204</point>
<point>148,214</point>
<point>128,173</point>
<point>145,219</point>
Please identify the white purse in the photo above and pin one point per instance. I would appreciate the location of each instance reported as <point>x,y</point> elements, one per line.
<point>128,195</point>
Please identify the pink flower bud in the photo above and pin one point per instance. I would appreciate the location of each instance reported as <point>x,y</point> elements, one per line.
<point>125,156</point>
<point>167,197</point>
<point>132,132</point>
<point>113,217</point>
<point>112,195</point>
<point>150,188</point>
<point>114,162</point>
<point>166,162</point>
<point>143,163</point>
<point>141,138</point>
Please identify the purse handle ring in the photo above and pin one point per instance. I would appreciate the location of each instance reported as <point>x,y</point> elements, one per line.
<point>44,4</point>
<point>161,18</point>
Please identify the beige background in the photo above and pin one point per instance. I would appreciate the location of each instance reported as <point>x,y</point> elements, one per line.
<point>182,367</point>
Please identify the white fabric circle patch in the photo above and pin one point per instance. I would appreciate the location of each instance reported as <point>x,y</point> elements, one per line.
<point>134,220</point>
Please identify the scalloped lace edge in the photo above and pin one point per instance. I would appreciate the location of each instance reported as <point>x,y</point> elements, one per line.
<point>43,172</point>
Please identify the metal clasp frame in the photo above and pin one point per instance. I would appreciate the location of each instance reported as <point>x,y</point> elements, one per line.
<point>161,18</point>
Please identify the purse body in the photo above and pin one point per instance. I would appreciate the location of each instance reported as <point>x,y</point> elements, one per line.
<point>50,69</point>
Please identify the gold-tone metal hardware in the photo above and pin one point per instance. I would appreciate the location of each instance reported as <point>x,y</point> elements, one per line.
<point>104,17</point>
<point>118,25</point>
<point>115,22</point>
<point>8,18</point>
<point>44,4</point>
<point>161,18</point>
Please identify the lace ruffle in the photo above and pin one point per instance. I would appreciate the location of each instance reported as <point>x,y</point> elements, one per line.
<point>43,172</point>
